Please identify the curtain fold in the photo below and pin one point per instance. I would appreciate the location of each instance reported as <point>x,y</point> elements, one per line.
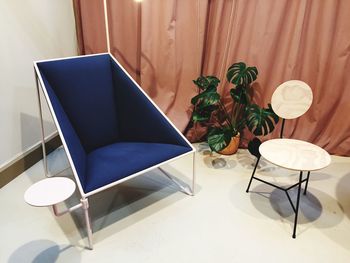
<point>89,19</point>
<point>165,44</point>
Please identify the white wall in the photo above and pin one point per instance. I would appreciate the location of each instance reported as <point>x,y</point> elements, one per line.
<point>29,30</point>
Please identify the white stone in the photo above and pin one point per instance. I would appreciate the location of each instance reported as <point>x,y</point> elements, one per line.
<point>291,99</point>
<point>295,154</point>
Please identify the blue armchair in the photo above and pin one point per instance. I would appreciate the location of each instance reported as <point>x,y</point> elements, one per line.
<point>110,129</point>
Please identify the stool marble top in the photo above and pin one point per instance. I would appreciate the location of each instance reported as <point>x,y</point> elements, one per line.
<point>295,154</point>
<point>49,191</point>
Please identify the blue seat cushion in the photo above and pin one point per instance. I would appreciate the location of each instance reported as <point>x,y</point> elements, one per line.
<point>110,163</point>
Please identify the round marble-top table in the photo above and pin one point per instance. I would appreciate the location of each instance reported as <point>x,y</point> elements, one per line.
<point>295,154</point>
<point>49,191</point>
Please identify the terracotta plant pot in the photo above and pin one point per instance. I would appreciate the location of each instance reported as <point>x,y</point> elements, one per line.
<point>232,147</point>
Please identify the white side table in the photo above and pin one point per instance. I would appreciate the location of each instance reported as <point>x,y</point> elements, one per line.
<point>294,155</point>
<point>49,191</point>
<point>54,190</point>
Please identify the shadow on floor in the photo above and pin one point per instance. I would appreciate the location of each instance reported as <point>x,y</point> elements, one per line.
<point>117,203</point>
<point>203,148</point>
<point>343,194</point>
<point>43,251</point>
<point>263,201</point>
<point>110,207</point>
<point>310,208</point>
<point>316,206</point>
<point>222,163</point>
<point>246,160</point>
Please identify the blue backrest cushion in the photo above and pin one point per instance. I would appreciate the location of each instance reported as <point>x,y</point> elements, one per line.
<point>140,120</point>
<point>76,150</point>
<point>84,88</point>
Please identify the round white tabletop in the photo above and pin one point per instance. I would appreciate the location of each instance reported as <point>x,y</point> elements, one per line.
<point>49,191</point>
<point>295,154</point>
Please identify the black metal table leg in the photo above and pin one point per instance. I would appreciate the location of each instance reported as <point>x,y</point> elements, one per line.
<point>297,206</point>
<point>307,182</point>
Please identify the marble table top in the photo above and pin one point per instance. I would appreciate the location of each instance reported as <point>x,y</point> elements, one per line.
<point>49,191</point>
<point>295,154</point>
<point>291,99</point>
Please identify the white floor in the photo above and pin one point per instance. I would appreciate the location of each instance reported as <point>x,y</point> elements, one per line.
<point>149,220</point>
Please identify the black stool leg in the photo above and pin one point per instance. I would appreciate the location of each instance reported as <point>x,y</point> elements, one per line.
<point>251,178</point>
<point>297,206</point>
<point>307,182</point>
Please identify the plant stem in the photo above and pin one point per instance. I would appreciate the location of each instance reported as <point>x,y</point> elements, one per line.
<point>214,122</point>
<point>226,115</point>
<point>223,108</point>
<point>233,113</point>
<point>238,112</point>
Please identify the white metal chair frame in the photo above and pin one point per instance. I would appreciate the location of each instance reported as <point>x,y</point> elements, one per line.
<point>84,196</point>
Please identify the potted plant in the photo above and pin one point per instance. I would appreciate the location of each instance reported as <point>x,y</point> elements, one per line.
<point>226,126</point>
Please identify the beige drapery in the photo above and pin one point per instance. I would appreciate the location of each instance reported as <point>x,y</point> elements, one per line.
<point>165,44</point>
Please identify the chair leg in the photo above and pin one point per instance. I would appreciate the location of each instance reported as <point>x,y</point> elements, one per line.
<point>307,182</point>
<point>187,190</point>
<point>194,173</point>
<point>85,204</point>
<point>297,205</point>
<point>251,178</point>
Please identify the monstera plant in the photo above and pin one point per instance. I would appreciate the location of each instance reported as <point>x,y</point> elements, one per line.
<point>224,124</point>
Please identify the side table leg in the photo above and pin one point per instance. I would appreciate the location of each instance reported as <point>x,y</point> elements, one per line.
<point>297,206</point>
<point>85,204</point>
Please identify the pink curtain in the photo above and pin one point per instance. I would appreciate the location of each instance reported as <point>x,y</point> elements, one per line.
<point>165,44</point>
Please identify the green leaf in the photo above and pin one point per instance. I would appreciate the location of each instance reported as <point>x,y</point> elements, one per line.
<point>204,83</point>
<point>240,94</point>
<point>219,138</point>
<point>213,81</point>
<point>261,121</point>
<point>207,98</point>
<point>203,114</point>
<point>200,117</point>
<point>240,74</point>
